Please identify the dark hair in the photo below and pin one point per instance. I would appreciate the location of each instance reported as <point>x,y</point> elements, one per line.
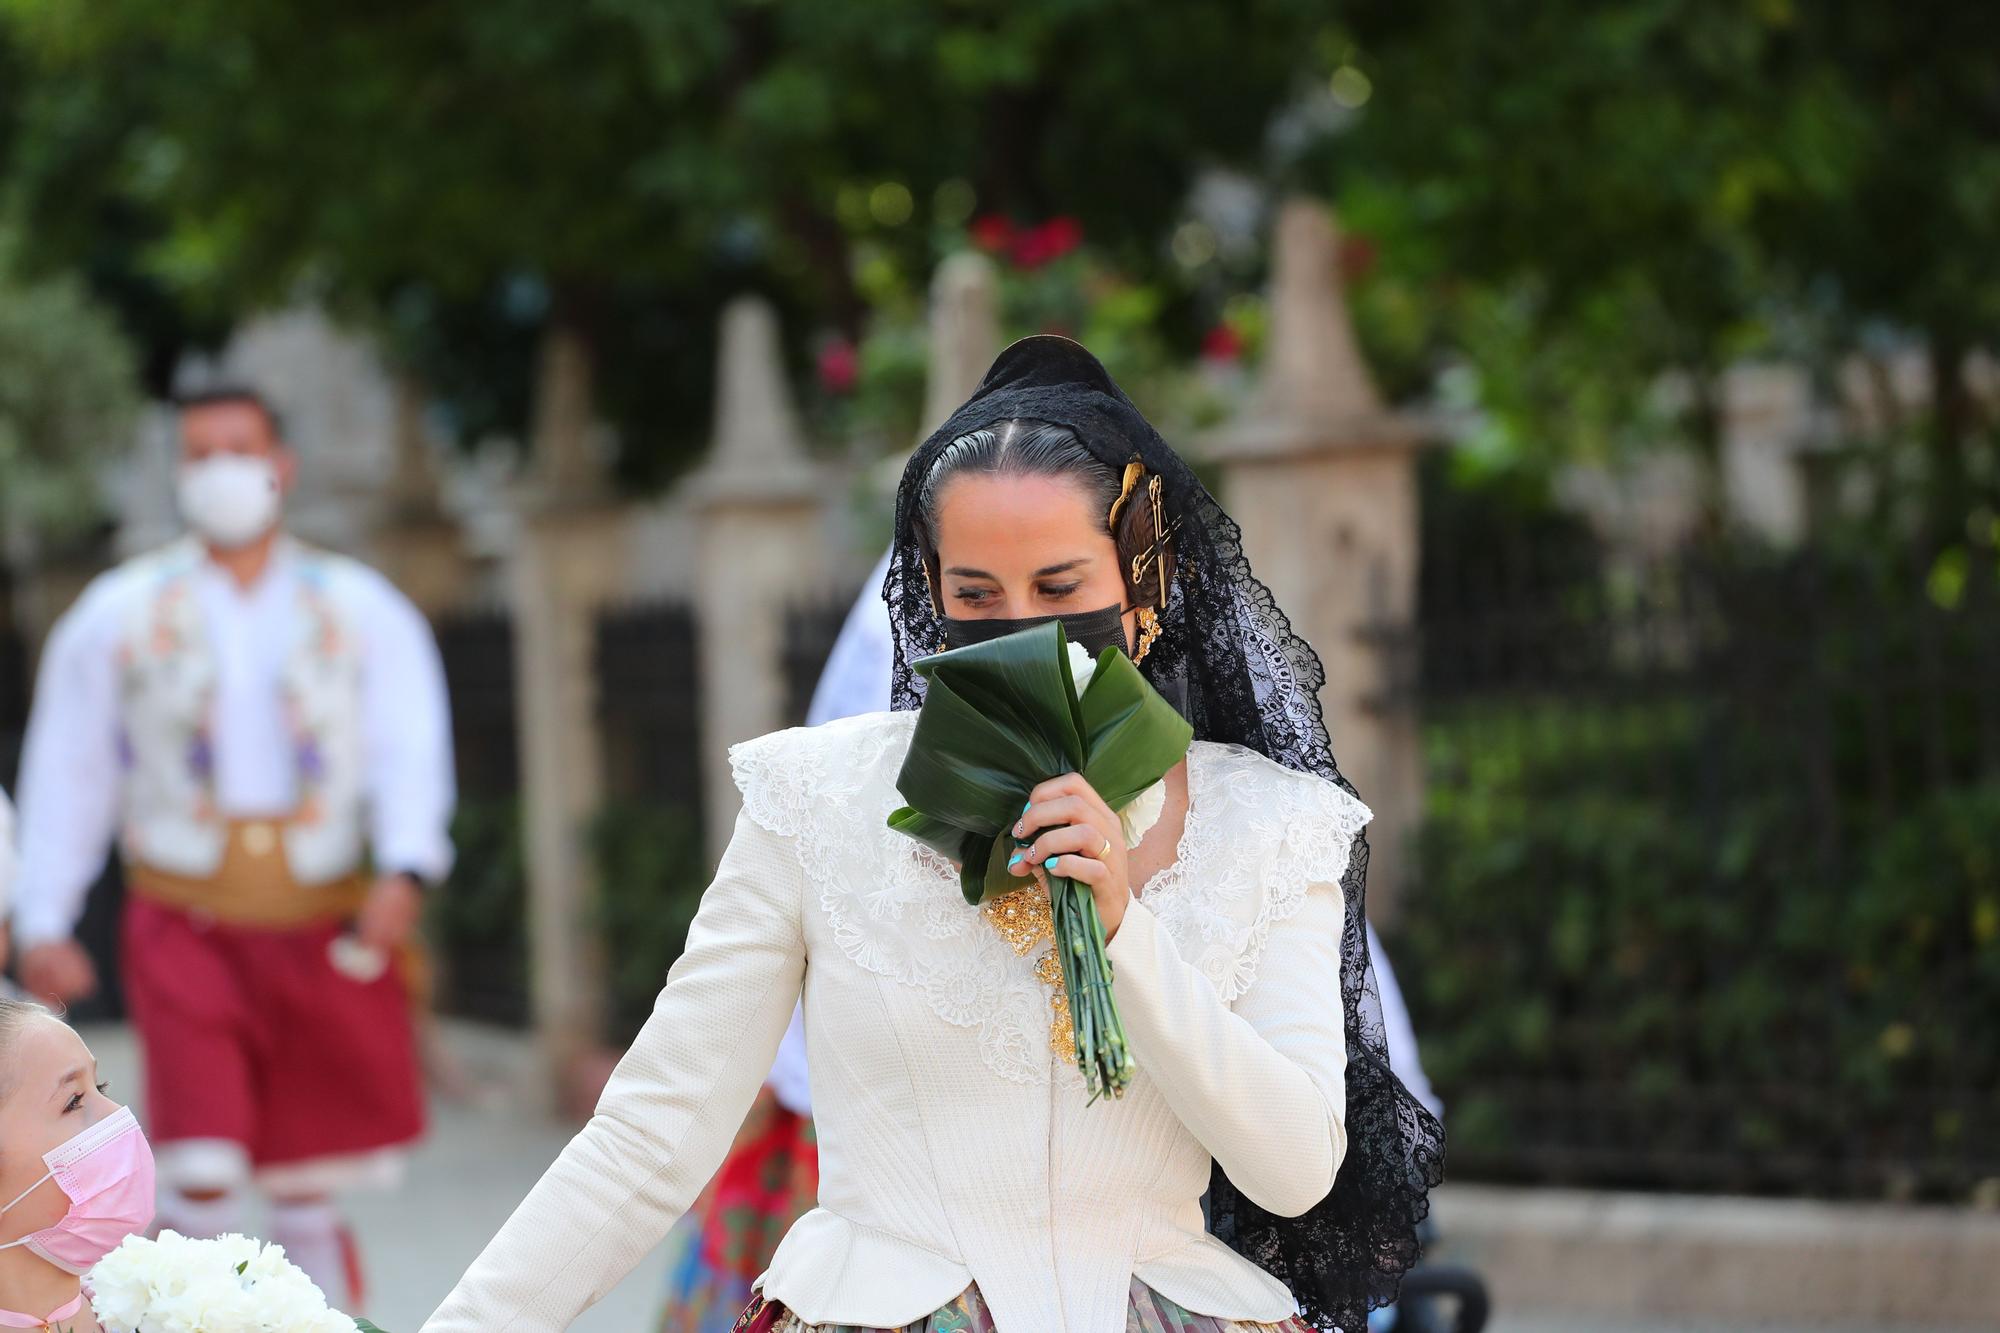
<point>221,395</point>
<point>1028,448</point>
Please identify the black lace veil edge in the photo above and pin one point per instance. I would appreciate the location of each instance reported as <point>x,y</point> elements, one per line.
<point>1229,657</point>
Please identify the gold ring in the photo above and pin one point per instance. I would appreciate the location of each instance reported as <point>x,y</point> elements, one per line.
<point>1105,848</point>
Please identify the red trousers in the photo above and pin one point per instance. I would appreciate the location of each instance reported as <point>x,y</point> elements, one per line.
<point>250,1035</point>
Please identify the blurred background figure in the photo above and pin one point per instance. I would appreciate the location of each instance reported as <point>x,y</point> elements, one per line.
<point>262,727</point>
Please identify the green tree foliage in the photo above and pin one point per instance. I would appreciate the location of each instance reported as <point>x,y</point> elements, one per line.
<point>1694,931</point>
<point>1581,197</point>
<point>627,164</point>
<point>67,395</point>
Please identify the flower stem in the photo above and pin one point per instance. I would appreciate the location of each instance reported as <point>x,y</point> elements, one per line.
<point>1101,1053</point>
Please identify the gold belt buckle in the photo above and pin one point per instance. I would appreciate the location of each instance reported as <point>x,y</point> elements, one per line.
<point>260,838</point>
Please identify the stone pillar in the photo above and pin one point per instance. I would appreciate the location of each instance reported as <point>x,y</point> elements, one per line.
<point>571,559</point>
<point>1766,434</point>
<point>416,544</point>
<point>1322,479</point>
<point>762,547</point>
<point>965,334</point>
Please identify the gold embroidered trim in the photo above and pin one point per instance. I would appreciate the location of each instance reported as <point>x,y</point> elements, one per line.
<point>1024,921</point>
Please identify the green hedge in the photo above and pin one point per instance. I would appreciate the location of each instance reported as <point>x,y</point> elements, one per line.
<point>651,875</point>
<point>1632,959</point>
<point>478,922</point>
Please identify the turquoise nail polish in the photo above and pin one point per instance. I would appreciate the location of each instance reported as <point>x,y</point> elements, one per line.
<point>1026,808</point>
<point>1013,860</point>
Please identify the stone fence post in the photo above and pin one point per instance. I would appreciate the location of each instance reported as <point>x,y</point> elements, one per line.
<point>416,544</point>
<point>1322,478</point>
<point>571,559</point>
<point>762,543</point>
<point>964,334</point>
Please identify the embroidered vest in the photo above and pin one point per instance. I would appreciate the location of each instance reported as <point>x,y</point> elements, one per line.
<point>167,674</point>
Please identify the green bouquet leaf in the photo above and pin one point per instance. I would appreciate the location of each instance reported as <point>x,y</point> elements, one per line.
<point>1001,717</point>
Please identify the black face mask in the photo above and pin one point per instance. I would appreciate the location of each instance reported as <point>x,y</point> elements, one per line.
<point>1094,630</point>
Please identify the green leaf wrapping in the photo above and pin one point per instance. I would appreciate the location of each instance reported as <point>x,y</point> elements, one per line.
<point>999,719</point>
<point>1002,717</point>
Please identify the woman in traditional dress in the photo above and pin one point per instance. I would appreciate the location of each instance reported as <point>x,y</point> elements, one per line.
<point>964,1182</point>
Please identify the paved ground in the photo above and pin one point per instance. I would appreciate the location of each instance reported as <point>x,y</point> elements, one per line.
<point>485,1152</point>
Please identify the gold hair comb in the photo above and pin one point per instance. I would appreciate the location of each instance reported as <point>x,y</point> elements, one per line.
<point>1133,471</point>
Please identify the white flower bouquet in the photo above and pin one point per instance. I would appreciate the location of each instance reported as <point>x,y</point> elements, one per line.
<point>232,1284</point>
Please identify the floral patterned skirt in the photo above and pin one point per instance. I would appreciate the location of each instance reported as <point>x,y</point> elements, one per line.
<point>771,1177</point>
<point>1148,1312</point>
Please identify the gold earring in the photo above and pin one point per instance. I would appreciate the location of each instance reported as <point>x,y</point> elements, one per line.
<point>1149,630</point>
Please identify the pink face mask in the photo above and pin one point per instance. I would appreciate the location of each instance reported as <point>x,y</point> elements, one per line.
<point>107,1172</point>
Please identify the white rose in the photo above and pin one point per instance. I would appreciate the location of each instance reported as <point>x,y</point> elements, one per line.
<point>231,1249</point>
<point>178,1285</point>
<point>122,1283</point>
<point>270,1261</point>
<point>1081,666</point>
<point>188,1310</point>
<point>1142,812</point>
<point>331,1321</point>
<point>285,1299</point>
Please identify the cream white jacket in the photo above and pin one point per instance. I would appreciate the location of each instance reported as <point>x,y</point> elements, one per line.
<point>955,1146</point>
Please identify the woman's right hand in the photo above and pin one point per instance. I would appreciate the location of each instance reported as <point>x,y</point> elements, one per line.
<point>1078,836</point>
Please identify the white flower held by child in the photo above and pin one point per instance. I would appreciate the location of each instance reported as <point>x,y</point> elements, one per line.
<point>232,1284</point>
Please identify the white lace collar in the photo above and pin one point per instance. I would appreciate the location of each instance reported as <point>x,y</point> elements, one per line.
<point>1256,838</point>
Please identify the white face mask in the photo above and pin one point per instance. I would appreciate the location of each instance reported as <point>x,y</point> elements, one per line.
<point>230,499</point>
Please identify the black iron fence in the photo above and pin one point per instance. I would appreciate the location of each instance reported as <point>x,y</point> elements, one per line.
<point>13,703</point>
<point>649,703</point>
<point>647,840</point>
<point>478,925</point>
<point>810,631</point>
<point>1708,891</point>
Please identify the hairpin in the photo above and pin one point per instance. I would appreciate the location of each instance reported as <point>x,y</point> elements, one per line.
<point>1133,471</point>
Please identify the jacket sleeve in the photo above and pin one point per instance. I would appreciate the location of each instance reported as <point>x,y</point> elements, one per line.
<point>69,769</point>
<point>669,1113</point>
<point>1262,1085</point>
<point>406,716</point>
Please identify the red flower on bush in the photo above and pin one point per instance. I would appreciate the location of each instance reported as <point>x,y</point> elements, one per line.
<point>992,233</point>
<point>1358,254</point>
<point>1222,343</point>
<point>839,366</point>
<point>1047,242</point>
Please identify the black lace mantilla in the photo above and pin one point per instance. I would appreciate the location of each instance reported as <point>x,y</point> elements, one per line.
<point>1229,658</point>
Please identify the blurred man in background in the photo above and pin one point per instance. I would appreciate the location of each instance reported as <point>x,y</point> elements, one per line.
<point>250,718</point>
